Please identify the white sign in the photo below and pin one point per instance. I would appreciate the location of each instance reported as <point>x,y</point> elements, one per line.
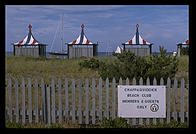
<point>142,101</point>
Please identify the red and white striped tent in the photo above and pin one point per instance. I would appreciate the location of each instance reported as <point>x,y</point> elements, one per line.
<point>137,39</point>
<point>82,39</point>
<point>29,39</point>
<point>186,42</point>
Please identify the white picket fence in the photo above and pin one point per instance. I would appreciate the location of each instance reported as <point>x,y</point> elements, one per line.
<point>30,101</point>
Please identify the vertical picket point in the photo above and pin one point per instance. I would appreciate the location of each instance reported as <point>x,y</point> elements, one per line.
<point>154,119</point>
<point>23,101</point>
<point>66,101</point>
<point>134,119</point>
<point>60,100</point>
<point>43,100</point>
<point>182,101</point>
<point>100,98</point>
<point>107,99</point>
<point>127,83</point>
<point>168,99</point>
<point>113,98</point>
<point>148,84</point>
<point>175,98</point>
<point>93,100</point>
<point>36,102</point>
<point>73,101</point>
<point>80,101</point>
<point>161,83</point>
<point>141,119</point>
<point>29,100</point>
<point>87,102</point>
<point>120,83</point>
<point>48,105</point>
<point>53,109</point>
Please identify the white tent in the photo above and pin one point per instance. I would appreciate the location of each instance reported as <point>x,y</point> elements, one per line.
<point>118,50</point>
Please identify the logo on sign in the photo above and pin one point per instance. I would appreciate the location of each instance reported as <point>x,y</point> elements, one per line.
<point>154,107</point>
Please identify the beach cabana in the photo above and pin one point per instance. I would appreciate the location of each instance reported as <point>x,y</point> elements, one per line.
<point>180,45</point>
<point>29,46</point>
<point>138,45</point>
<point>82,46</point>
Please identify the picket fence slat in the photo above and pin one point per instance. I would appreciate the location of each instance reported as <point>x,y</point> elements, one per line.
<point>168,99</point>
<point>66,100</point>
<point>107,98</point>
<point>147,83</point>
<point>36,102</point>
<point>87,101</point>
<point>29,100</point>
<point>134,119</point>
<point>16,100</point>
<point>113,98</point>
<point>73,101</point>
<point>175,98</point>
<point>48,105</point>
<point>129,119</point>
<point>43,90</point>
<point>182,101</point>
<point>100,99</point>
<point>154,120</point>
<point>80,101</point>
<point>161,83</point>
<point>23,101</point>
<point>53,100</point>
<point>10,98</point>
<point>93,101</point>
<point>60,101</point>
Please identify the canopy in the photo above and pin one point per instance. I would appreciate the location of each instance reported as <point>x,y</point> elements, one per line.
<point>137,39</point>
<point>29,39</point>
<point>82,39</point>
<point>186,42</point>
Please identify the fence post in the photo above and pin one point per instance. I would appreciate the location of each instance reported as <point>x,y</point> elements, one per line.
<point>168,99</point>
<point>36,102</point>
<point>107,98</point>
<point>175,97</point>
<point>93,101</point>
<point>23,101</point>
<point>73,101</point>
<point>16,99</point>
<point>87,102</point>
<point>100,98</point>
<point>60,100</point>
<point>182,101</point>
<point>113,98</point>
<point>141,119</point>
<point>10,98</point>
<point>29,100</point>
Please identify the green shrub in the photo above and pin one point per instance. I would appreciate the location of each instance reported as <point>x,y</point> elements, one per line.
<point>91,63</point>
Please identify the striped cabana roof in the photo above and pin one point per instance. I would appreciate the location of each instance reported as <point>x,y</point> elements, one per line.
<point>137,39</point>
<point>29,39</point>
<point>186,42</point>
<point>82,39</point>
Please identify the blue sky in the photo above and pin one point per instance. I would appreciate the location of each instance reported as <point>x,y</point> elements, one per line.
<point>109,25</point>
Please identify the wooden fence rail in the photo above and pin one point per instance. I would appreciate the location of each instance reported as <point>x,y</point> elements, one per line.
<point>34,101</point>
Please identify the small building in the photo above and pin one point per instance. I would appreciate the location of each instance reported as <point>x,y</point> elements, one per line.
<point>81,46</point>
<point>138,45</point>
<point>180,45</point>
<point>29,46</point>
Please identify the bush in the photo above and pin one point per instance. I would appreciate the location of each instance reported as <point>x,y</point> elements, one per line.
<point>90,63</point>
